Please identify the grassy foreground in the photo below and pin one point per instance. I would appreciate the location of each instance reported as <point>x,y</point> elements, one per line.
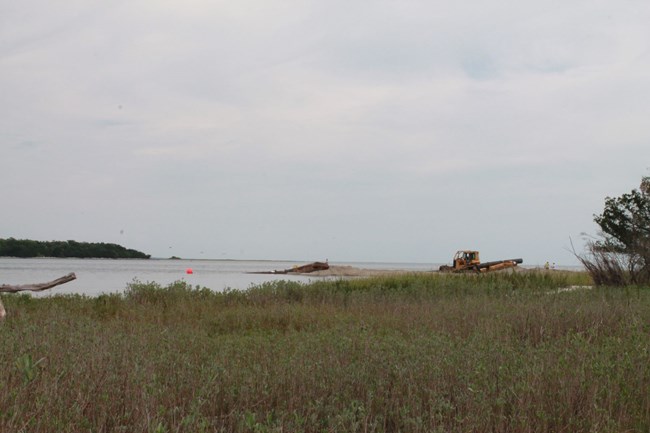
<point>417,353</point>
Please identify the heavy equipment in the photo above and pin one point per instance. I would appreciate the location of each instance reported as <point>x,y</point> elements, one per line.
<point>469,261</point>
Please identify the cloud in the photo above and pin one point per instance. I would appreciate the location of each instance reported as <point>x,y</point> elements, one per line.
<point>360,125</point>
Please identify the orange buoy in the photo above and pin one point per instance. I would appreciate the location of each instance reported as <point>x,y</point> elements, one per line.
<point>189,271</point>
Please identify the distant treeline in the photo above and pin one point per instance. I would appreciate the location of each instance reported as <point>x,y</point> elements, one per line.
<point>28,248</point>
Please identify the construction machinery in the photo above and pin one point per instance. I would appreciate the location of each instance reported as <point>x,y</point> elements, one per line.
<point>469,261</point>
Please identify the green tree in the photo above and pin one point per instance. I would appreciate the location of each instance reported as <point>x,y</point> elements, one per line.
<point>29,248</point>
<point>622,254</point>
<point>625,222</point>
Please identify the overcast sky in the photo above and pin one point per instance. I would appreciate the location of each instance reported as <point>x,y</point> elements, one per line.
<point>311,129</point>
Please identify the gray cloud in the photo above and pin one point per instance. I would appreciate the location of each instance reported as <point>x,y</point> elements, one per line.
<point>351,130</point>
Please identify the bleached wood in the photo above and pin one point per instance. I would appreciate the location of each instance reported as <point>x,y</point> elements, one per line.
<point>8,288</point>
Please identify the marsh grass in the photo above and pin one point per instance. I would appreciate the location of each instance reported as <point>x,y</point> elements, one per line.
<point>414,353</point>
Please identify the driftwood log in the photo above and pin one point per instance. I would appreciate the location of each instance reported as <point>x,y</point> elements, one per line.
<point>7,288</point>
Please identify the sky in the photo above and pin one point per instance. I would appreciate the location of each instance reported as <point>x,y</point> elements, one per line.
<point>383,131</point>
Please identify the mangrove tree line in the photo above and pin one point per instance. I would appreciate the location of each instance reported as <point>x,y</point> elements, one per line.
<point>29,248</point>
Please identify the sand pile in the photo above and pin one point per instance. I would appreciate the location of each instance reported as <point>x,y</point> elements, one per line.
<point>351,271</point>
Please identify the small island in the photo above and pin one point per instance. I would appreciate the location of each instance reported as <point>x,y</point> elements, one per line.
<point>26,248</point>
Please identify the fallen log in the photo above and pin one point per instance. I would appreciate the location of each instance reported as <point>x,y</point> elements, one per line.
<point>8,288</point>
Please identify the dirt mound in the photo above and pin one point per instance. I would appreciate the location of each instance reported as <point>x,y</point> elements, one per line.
<point>351,271</point>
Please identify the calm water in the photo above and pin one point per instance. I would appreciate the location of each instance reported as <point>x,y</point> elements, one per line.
<point>96,276</point>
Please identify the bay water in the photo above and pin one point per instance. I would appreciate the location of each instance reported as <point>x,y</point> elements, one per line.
<point>97,276</point>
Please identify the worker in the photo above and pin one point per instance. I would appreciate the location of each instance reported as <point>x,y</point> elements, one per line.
<point>546,266</point>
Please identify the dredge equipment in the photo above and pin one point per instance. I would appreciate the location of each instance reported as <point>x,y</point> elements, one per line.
<point>469,261</point>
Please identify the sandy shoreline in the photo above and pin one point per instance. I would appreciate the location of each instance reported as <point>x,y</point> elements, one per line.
<point>351,271</point>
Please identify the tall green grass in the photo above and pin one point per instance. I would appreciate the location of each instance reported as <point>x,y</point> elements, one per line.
<point>414,353</point>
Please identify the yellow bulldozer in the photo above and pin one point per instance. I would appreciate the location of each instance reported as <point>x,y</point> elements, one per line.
<point>469,261</point>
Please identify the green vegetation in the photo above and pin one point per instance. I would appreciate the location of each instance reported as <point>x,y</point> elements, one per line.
<point>621,254</point>
<point>28,248</point>
<point>417,353</point>
<point>625,221</point>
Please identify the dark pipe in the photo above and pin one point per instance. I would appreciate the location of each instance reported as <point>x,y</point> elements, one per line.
<point>488,264</point>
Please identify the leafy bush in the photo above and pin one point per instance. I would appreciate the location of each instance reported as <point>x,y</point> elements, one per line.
<point>621,255</point>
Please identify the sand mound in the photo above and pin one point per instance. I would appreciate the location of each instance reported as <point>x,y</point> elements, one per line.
<point>351,271</point>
